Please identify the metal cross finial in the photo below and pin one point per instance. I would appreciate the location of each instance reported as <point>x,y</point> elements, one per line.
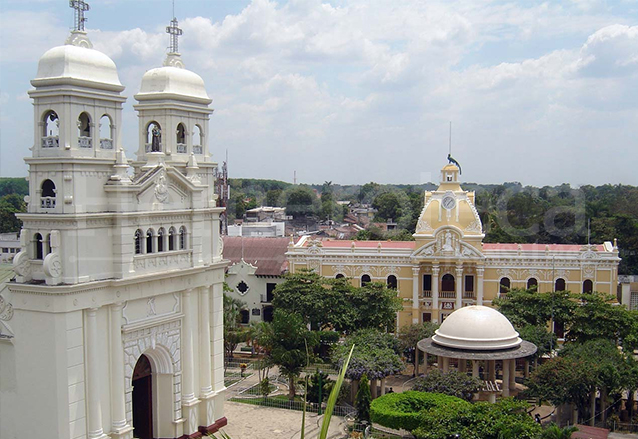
<point>80,7</point>
<point>174,32</point>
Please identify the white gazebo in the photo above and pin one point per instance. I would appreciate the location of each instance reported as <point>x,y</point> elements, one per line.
<point>481,336</point>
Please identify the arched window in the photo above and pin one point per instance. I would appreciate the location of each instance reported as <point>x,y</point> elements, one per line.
<point>50,130</point>
<point>588,286</point>
<point>181,138</point>
<point>160,239</point>
<point>37,249</point>
<point>48,243</point>
<point>532,282</point>
<point>504,285</point>
<point>106,132</point>
<point>171,239</point>
<point>139,236</point>
<point>153,137</point>
<point>182,238</point>
<point>447,283</point>
<point>149,241</point>
<point>365,279</point>
<point>84,130</point>
<point>198,140</point>
<point>392,282</point>
<point>47,195</point>
<point>339,276</point>
<point>559,285</point>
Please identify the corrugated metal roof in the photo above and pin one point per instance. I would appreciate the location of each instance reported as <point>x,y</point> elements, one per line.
<point>267,254</point>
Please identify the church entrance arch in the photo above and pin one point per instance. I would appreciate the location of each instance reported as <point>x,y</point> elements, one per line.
<point>143,399</point>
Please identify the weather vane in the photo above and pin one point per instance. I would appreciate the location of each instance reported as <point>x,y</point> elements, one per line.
<point>174,32</point>
<point>79,7</point>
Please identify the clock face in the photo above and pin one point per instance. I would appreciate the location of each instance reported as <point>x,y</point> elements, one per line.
<point>449,202</point>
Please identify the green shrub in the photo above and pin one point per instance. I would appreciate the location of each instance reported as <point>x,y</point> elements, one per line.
<point>403,410</point>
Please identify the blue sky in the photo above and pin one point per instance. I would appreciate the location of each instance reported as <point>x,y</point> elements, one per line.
<point>363,90</point>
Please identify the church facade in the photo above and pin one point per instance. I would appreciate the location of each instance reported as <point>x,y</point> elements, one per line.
<point>115,314</point>
<point>448,266</point>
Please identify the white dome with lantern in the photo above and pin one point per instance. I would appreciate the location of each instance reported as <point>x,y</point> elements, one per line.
<point>77,63</point>
<point>172,81</point>
<point>477,328</point>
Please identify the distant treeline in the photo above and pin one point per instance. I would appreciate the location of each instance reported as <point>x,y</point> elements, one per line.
<point>12,193</point>
<point>510,212</point>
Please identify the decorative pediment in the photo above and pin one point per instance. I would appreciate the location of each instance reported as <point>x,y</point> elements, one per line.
<point>242,267</point>
<point>166,186</point>
<point>447,246</point>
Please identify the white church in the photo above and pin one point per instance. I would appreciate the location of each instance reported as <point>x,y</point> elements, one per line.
<point>113,324</point>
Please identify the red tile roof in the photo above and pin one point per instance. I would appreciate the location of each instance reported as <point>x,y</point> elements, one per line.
<point>587,432</point>
<point>267,254</point>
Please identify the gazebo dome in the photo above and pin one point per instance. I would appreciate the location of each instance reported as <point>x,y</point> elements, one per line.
<point>478,328</point>
<point>77,65</point>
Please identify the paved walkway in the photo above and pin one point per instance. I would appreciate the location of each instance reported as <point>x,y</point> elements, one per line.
<point>256,422</point>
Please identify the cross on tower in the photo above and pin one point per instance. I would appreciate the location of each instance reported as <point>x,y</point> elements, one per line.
<point>174,32</point>
<point>80,7</point>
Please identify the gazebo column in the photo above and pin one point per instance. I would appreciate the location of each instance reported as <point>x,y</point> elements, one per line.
<point>446,364</point>
<point>373,388</point>
<point>439,362</point>
<point>435,293</point>
<point>459,286</point>
<point>506,378</point>
<point>462,365</point>
<point>475,368</point>
<point>417,357</point>
<point>382,389</point>
<point>491,370</point>
<point>480,271</point>
<point>513,374</point>
<point>526,371</point>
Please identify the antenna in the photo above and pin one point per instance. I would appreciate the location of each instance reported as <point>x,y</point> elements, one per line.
<point>450,138</point>
<point>79,8</point>
<point>173,8</point>
<point>174,31</point>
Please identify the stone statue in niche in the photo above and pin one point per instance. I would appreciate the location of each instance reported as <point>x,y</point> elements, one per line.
<point>156,140</point>
<point>447,246</point>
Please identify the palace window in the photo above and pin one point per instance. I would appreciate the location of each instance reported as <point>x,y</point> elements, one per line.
<point>339,276</point>
<point>160,239</point>
<point>106,132</point>
<point>559,285</point>
<point>447,283</point>
<point>181,139</point>
<point>392,282</point>
<point>84,131</point>
<point>198,140</point>
<point>469,283</point>
<point>50,130</point>
<point>505,284</point>
<point>182,238</point>
<point>588,286</point>
<point>427,282</point>
<point>365,280</point>
<point>532,282</point>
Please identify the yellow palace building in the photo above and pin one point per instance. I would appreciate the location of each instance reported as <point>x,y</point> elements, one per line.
<point>448,266</point>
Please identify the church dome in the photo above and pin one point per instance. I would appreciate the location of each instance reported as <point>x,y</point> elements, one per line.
<point>172,82</point>
<point>77,65</point>
<point>477,328</point>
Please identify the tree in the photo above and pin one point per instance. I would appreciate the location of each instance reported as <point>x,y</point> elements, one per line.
<point>527,307</point>
<point>11,204</point>
<point>318,385</point>
<point>273,197</point>
<point>376,354</point>
<point>300,202</point>
<point>290,345</point>
<point>233,332</point>
<point>303,293</point>
<point>375,305</point>
<point>410,335</point>
<point>540,336</point>
<point>452,383</point>
<point>598,317</point>
<point>363,400</point>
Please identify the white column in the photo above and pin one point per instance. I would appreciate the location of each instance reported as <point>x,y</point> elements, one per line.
<point>462,365</point>
<point>120,428</point>
<point>435,293</point>
<point>475,368</point>
<point>513,374</point>
<point>93,376</point>
<point>382,386</point>
<point>480,271</point>
<point>506,377</point>
<point>188,392</point>
<point>446,364</point>
<point>207,412</point>
<point>415,294</point>
<point>459,287</point>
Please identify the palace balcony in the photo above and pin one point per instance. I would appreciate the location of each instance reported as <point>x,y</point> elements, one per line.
<point>447,295</point>
<point>85,142</point>
<point>50,142</point>
<point>47,202</point>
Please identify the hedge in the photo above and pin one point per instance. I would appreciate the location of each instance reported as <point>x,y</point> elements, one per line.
<point>403,410</point>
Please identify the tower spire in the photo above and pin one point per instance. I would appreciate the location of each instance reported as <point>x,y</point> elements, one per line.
<point>79,8</point>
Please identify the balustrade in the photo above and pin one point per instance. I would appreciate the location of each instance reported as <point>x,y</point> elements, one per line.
<point>85,142</point>
<point>106,143</point>
<point>50,142</point>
